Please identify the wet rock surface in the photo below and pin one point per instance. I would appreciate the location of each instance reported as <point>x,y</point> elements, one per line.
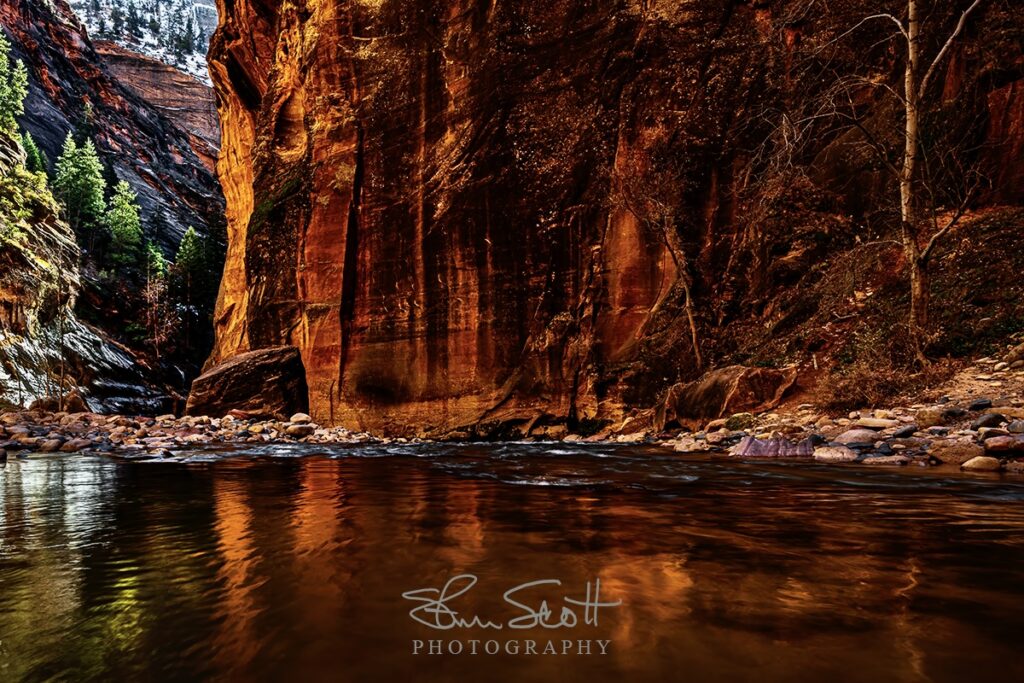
<point>268,383</point>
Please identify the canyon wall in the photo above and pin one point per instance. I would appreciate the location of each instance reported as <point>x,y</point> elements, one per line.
<point>71,89</point>
<point>471,212</point>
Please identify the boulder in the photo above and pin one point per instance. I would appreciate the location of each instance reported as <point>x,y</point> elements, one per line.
<point>723,392</point>
<point>265,384</point>
<point>955,451</point>
<point>300,419</point>
<point>981,463</point>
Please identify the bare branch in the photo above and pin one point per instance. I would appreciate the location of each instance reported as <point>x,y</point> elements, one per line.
<point>863,21</point>
<point>922,88</point>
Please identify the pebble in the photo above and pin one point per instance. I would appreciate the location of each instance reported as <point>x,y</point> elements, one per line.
<point>980,404</point>
<point>1016,427</point>
<point>905,432</point>
<point>300,419</point>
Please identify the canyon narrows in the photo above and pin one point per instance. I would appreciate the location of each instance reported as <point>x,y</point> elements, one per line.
<point>480,213</point>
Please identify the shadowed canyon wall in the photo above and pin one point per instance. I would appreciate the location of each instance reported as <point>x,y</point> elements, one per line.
<point>472,211</point>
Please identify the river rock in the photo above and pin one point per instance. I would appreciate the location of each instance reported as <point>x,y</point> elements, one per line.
<point>264,384</point>
<point>51,445</point>
<point>905,432</point>
<point>931,417</point>
<point>777,447</point>
<point>981,463</point>
<point>834,454</point>
<point>955,451</point>
<point>1016,427</point>
<point>299,431</point>
<point>877,423</point>
<point>722,392</point>
<point>300,419</point>
<point>739,421</point>
<point>1004,444</point>
<point>980,404</point>
<point>866,436</point>
<point>75,445</point>
<point>1015,466</point>
<point>988,420</point>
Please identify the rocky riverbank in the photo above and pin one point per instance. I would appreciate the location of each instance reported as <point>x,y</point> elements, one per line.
<point>25,433</point>
<point>976,424</point>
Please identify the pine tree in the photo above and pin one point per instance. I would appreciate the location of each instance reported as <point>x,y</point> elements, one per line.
<point>134,22</point>
<point>35,160</point>
<point>156,264</point>
<point>117,21</point>
<point>125,226</point>
<point>79,186</point>
<point>13,88</point>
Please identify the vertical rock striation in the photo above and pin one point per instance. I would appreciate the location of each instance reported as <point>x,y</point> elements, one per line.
<point>475,212</point>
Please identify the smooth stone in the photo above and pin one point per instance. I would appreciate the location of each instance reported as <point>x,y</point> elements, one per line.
<point>931,417</point>
<point>988,420</point>
<point>956,451</point>
<point>50,446</point>
<point>75,445</point>
<point>1004,444</point>
<point>980,404</point>
<point>982,463</point>
<point>905,432</point>
<point>1016,427</point>
<point>877,423</point>
<point>834,454</point>
<point>299,431</point>
<point>1015,466</point>
<point>300,419</point>
<point>867,436</point>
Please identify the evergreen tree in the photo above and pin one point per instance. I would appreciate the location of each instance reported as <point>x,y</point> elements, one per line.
<point>13,88</point>
<point>117,21</point>
<point>156,264</point>
<point>134,21</point>
<point>125,226</point>
<point>35,160</point>
<point>79,186</point>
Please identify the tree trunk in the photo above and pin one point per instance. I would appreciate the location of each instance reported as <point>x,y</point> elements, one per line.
<point>908,198</point>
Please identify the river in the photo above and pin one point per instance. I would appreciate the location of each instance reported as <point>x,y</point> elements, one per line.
<point>290,564</point>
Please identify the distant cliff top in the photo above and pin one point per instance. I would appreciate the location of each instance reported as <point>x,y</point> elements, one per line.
<point>176,32</point>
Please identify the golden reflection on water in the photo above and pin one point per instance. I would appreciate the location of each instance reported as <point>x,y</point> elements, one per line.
<point>295,569</point>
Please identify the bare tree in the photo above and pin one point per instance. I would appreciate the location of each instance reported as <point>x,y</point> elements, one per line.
<point>917,250</point>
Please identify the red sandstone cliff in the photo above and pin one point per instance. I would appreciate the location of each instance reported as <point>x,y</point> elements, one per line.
<point>470,212</point>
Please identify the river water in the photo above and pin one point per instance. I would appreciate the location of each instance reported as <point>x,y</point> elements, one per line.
<point>290,564</point>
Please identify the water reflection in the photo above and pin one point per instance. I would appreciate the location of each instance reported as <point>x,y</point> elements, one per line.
<point>272,569</point>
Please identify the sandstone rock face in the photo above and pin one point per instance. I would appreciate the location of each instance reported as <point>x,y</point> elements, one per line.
<point>183,99</point>
<point>464,211</point>
<point>267,384</point>
<point>721,392</point>
<point>143,145</point>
